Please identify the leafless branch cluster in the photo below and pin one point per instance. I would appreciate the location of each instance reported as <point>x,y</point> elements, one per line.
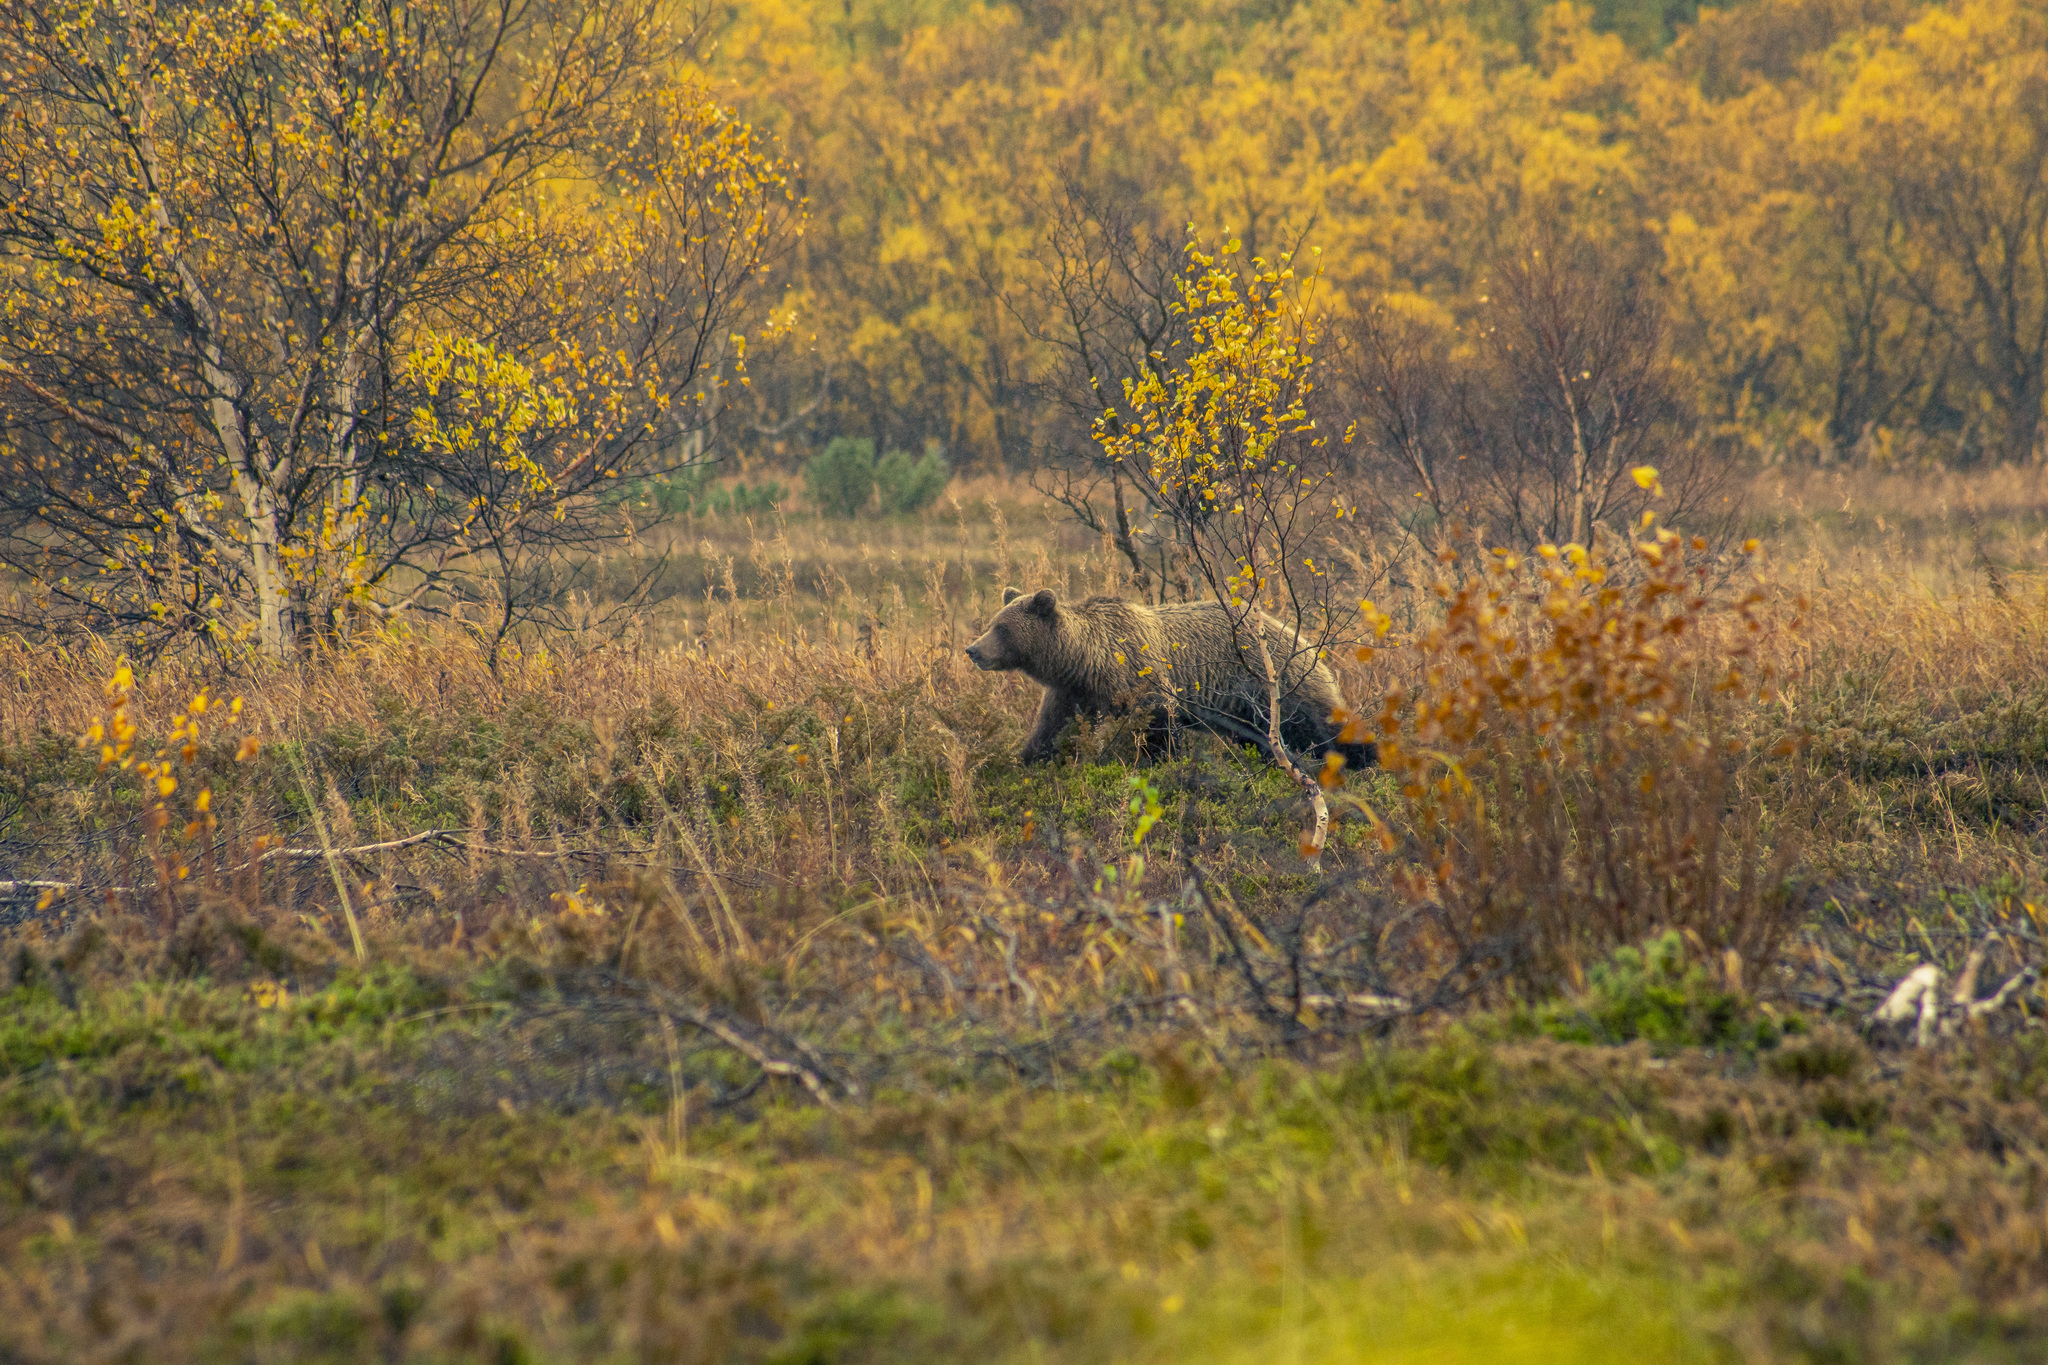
<point>1529,424</point>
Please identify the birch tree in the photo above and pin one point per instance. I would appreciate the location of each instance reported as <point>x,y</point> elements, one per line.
<point>295,292</point>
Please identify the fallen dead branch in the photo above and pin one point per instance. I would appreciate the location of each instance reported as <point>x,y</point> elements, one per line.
<point>774,1051</point>
<point>1917,999</point>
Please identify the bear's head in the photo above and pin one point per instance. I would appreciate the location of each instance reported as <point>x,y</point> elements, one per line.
<point>1021,636</point>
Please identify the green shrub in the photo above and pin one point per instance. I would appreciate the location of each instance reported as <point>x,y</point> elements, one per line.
<point>690,492</point>
<point>742,501</point>
<point>645,495</point>
<point>661,495</point>
<point>841,477</point>
<point>1651,993</point>
<point>910,485</point>
<point>675,494</point>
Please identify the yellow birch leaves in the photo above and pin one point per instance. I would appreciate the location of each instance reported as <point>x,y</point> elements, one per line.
<point>1209,429</point>
<point>480,401</point>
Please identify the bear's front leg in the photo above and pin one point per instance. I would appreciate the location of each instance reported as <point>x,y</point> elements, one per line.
<point>1053,714</point>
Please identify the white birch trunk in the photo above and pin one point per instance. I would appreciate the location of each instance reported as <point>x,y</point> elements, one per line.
<point>276,630</point>
<point>1319,803</point>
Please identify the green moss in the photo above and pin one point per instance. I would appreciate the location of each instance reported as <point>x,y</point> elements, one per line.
<point>1429,1199</point>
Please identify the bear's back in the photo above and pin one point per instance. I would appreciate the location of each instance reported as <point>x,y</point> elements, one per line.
<point>1211,655</point>
<point>1191,648</point>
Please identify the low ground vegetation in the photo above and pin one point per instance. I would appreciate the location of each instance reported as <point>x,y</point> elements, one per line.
<point>732,992</point>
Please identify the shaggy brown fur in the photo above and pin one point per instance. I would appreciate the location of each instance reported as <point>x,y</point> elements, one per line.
<point>1183,661</point>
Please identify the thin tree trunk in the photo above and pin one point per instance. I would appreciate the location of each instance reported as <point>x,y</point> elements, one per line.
<point>1581,466</point>
<point>276,630</point>
<point>351,378</point>
<point>1312,846</point>
<point>2022,427</point>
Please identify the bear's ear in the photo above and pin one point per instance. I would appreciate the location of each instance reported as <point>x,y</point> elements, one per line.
<point>1010,595</point>
<point>1043,603</point>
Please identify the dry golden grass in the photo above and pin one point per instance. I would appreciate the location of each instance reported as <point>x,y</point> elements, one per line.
<point>691,894</point>
<point>821,745</point>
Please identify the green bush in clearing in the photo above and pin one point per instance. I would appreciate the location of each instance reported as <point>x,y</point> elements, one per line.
<point>675,495</point>
<point>841,477</point>
<point>911,485</point>
<point>1652,993</point>
<point>740,500</point>
<point>661,495</point>
<point>690,492</point>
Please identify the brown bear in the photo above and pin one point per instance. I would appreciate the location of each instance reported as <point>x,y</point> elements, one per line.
<point>1185,661</point>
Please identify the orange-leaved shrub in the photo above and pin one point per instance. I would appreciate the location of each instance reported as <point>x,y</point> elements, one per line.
<point>1583,758</point>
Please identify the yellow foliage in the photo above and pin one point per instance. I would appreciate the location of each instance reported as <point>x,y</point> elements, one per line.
<point>115,739</point>
<point>480,400</point>
<point>1744,163</point>
<point>1213,428</point>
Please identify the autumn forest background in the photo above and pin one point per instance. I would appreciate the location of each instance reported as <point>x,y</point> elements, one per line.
<point>1835,209</point>
<point>503,857</point>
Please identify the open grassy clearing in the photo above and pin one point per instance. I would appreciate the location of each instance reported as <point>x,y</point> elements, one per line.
<point>755,1004</point>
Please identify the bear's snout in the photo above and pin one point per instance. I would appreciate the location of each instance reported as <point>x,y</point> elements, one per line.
<point>985,653</point>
